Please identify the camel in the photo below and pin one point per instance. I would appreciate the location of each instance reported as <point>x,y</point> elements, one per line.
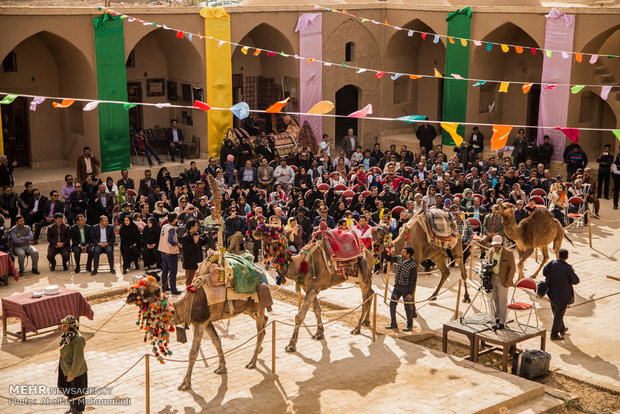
<point>193,308</point>
<point>534,232</point>
<point>414,235</point>
<point>316,278</point>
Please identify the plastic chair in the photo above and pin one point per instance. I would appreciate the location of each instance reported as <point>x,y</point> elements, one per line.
<point>580,213</point>
<point>324,187</point>
<point>480,197</point>
<point>340,188</point>
<point>475,223</point>
<point>366,193</point>
<point>540,202</point>
<point>294,167</point>
<point>410,169</point>
<point>538,192</point>
<point>397,210</point>
<point>528,286</point>
<point>132,192</point>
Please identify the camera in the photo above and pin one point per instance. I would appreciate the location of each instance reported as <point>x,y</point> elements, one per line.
<point>486,273</point>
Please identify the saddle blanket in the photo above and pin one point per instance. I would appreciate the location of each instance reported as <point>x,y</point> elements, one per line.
<point>219,294</point>
<point>439,227</point>
<point>343,245</point>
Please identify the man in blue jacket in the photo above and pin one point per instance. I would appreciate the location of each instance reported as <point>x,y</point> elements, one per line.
<point>560,278</point>
<point>323,216</point>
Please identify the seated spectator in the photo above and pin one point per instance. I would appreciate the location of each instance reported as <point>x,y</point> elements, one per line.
<point>130,243</point>
<point>103,238</point>
<point>236,228</point>
<point>323,216</point>
<point>248,175</point>
<point>476,210</point>
<point>81,242</point>
<point>51,207</point>
<point>21,236</point>
<point>59,239</point>
<point>10,203</point>
<point>294,234</point>
<point>284,175</point>
<point>520,212</point>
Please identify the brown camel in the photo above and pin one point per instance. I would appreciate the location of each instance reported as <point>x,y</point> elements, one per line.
<point>534,232</point>
<point>193,308</point>
<point>318,277</point>
<point>414,235</point>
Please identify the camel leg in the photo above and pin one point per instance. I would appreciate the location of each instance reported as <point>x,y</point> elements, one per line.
<point>199,331</point>
<point>366,292</point>
<point>440,261</point>
<point>316,307</point>
<point>217,343</point>
<point>461,264</point>
<point>261,322</point>
<point>299,318</point>
<point>367,305</point>
<point>545,254</point>
<point>524,255</point>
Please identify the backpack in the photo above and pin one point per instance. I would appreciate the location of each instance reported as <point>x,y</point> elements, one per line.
<point>542,289</point>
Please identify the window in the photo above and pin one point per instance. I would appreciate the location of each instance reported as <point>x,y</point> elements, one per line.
<point>349,54</point>
<point>488,98</point>
<point>9,64</point>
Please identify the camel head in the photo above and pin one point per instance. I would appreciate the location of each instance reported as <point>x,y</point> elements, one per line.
<point>146,290</point>
<point>505,209</point>
<point>380,235</point>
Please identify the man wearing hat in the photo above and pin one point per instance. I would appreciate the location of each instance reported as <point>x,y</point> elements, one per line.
<point>72,375</point>
<point>504,268</point>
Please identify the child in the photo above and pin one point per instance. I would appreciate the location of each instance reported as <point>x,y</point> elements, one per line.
<point>229,169</point>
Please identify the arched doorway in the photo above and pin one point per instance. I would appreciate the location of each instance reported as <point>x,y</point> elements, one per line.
<point>48,65</point>
<point>347,100</point>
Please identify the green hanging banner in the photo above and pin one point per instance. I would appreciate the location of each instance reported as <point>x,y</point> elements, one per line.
<point>457,61</point>
<point>112,86</point>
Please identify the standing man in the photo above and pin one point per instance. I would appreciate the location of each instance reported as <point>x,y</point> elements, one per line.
<point>404,286</point>
<point>72,376</point>
<point>426,133</point>
<point>125,181</point>
<point>169,249</point>
<point>605,160</point>
<point>615,169</point>
<point>504,268</point>
<point>476,140</point>
<point>103,237</point>
<point>6,171</point>
<point>519,144</point>
<point>21,236</point>
<point>87,165</point>
<point>349,143</point>
<point>560,278</point>
<point>192,250</point>
<point>175,139</point>
<point>50,209</point>
<point>59,238</point>
<point>81,242</point>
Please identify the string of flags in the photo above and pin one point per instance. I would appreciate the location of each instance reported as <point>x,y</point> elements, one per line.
<point>464,41</point>
<point>378,74</point>
<point>323,108</point>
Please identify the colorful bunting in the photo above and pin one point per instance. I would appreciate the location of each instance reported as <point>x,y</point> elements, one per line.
<point>605,92</point>
<point>257,52</point>
<point>503,87</point>
<point>548,52</point>
<point>477,42</point>
<point>533,51</point>
<point>414,77</point>
<point>550,87</point>
<point>571,133</point>
<point>271,53</point>
<point>412,118</point>
<point>526,87</point>
<point>379,75</point>
<point>451,39</point>
<point>576,89</point>
<point>180,34</point>
<point>396,76</point>
<point>579,57</point>
<point>437,73</point>
<point>450,128</point>
<point>593,59</point>
<point>64,104</point>
<point>518,49</point>
<point>277,107</point>
<point>456,76</point>
<point>436,39</point>
<point>565,55</point>
<point>489,47</point>
<point>201,105</point>
<point>500,136</point>
<point>362,113</point>
<point>463,42</point>
<point>241,110</point>
<point>244,50</point>
<point>361,70</point>
<point>480,83</point>
<point>8,99</point>
<point>321,108</point>
<point>35,102</point>
<point>505,48</point>
<point>616,132</point>
<point>163,105</point>
<point>91,106</point>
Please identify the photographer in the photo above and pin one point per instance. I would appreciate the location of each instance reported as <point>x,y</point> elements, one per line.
<point>192,243</point>
<point>504,267</point>
<point>404,286</point>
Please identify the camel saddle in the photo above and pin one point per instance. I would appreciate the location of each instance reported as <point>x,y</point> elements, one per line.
<point>440,228</point>
<point>341,245</point>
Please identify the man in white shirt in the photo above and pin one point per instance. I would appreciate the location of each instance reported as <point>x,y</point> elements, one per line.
<point>363,230</point>
<point>175,139</point>
<point>284,175</point>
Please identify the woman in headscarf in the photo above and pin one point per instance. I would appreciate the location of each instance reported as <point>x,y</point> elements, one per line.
<point>315,194</point>
<point>72,369</point>
<point>342,168</point>
<point>468,199</point>
<point>236,193</point>
<point>294,235</point>
<point>165,181</point>
<point>226,201</point>
<point>406,194</point>
<point>130,243</point>
<point>243,208</point>
<point>203,208</point>
<point>339,211</point>
<point>302,179</point>
<point>253,193</point>
<point>110,187</point>
<point>159,212</point>
<point>227,149</point>
<point>356,203</point>
<point>375,182</point>
<point>150,242</point>
<point>324,178</point>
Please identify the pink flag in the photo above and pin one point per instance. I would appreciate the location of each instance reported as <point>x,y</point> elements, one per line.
<point>571,133</point>
<point>550,87</point>
<point>362,112</point>
<point>605,92</point>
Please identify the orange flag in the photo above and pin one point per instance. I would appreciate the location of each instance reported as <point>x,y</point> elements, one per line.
<point>526,87</point>
<point>257,52</point>
<point>518,49</point>
<point>414,76</point>
<point>500,136</point>
<point>451,39</point>
<point>64,104</point>
<point>277,107</point>
<point>579,57</point>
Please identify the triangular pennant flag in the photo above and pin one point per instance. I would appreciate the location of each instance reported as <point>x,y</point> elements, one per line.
<point>64,104</point>
<point>362,112</point>
<point>364,20</point>
<point>128,106</point>
<point>480,83</point>
<point>489,46</point>
<point>410,33</point>
<point>412,118</point>
<point>437,73</point>
<point>344,64</point>
<point>244,50</point>
<point>361,70</point>
<point>451,39</point>
<point>503,87</point>
<point>463,42</point>
<point>533,50</point>
<point>386,22</point>
<point>423,35</point>
<point>579,57</point>
<point>565,55</point>
<point>548,52</point>
<point>189,36</point>
<point>327,64</point>
<point>36,102</point>
<point>257,52</point>
<point>201,105</point>
<point>311,60</point>
<point>8,99</point>
<point>163,105</point>
<point>500,136</point>
<point>450,128</point>
<point>576,89</point>
<point>571,133</point>
<point>414,77</point>
<point>605,92</point>
<point>396,76</point>
<point>526,87</point>
<point>477,42</point>
<point>277,107</point>
<point>180,34</point>
<point>456,76</point>
<point>505,48</point>
<point>241,110</point>
<point>321,108</point>
<point>550,87</point>
<point>91,106</point>
<point>271,53</point>
<point>616,132</point>
<point>593,59</point>
<point>436,39</point>
<point>379,75</point>
<point>518,49</point>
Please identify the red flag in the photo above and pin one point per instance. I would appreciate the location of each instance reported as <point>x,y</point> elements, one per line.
<point>379,75</point>
<point>277,107</point>
<point>571,133</point>
<point>423,36</point>
<point>180,34</point>
<point>201,105</point>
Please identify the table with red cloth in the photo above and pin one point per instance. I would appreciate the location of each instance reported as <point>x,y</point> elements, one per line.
<point>43,312</point>
<point>7,268</point>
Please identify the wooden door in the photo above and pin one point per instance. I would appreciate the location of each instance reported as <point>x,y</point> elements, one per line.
<point>16,133</point>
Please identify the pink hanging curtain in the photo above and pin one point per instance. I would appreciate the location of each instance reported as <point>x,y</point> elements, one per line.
<point>556,69</point>
<point>310,28</point>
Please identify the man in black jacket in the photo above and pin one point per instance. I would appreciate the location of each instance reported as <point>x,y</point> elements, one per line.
<point>192,243</point>
<point>125,181</point>
<point>78,201</point>
<point>476,140</point>
<point>101,203</point>
<point>560,278</point>
<point>404,286</point>
<point>175,139</point>
<point>10,204</point>
<point>236,228</point>
<point>103,238</point>
<point>59,239</point>
<point>34,213</point>
<point>604,160</point>
<point>253,223</point>
<point>50,208</point>
<point>147,184</point>
<point>81,242</point>
<point>426,134</point>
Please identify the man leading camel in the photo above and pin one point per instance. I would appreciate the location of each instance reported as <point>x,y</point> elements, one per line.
<point>404,286</point>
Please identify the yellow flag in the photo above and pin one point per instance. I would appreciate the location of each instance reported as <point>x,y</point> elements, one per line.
<point>322,107</point>
<point>244,50</point>
<point>505,48</point>
<point>437,74</point>
<point>450,128</point>
<point>503,87</point>
<point>463,42</point>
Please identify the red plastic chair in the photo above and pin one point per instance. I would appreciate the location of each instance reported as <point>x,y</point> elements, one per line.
<point>581,205</point>
<point>538,192</point>
<point>263,192</point>
<point>475,223</point>
<point>340,188</point>
<point>407,181</point>
<point>479,197</point>
<point>294,167</point>
<point>540,202</point>
<point>397,210</point>
<point>358,188</point>
<point>410,169</point>
<point>307,193</point>
<point>132,192</point>
<point>529,287</point>
<point>365,193</point>
<point>324,187</point>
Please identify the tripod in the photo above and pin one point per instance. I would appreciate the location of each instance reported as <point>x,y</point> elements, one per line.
<point>489,310</point>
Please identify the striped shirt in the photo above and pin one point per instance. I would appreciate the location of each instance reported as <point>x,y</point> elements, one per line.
<point>407,273</point>
<point>465,231</point>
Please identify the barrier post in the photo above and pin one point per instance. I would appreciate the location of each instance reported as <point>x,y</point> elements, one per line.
<point>387,283</point>
<point>458,300</point>
<point>273,346</point>
<point>589,217</point>
<point>472,246</point>
<point>147,383</point>
<point>374,317</point>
